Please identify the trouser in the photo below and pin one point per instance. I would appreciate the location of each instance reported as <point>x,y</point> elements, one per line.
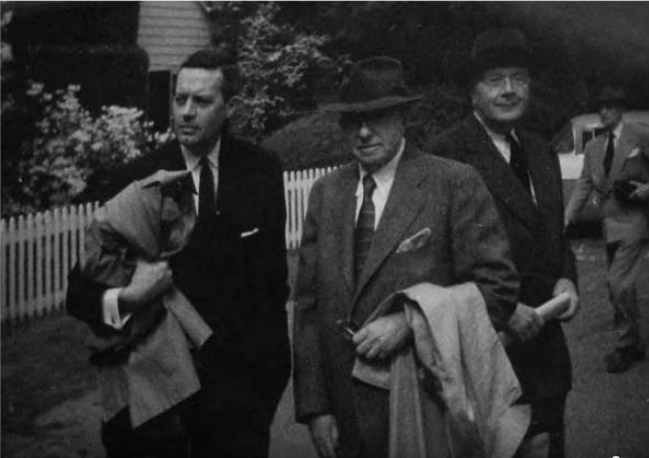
<point>162,437</point>
<point>545,437</point>
<point>626,259</point>
<point>225,419</point>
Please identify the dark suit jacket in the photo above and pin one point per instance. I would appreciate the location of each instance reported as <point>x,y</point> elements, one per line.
<point>541,253</point>
<point>467,243</point>
<point>238,284</point>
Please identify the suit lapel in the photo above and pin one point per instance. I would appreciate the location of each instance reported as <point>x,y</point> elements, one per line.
<point>497,174</point>
<point>624,146</point>
<point>404,203</point>
<point>346,203</point>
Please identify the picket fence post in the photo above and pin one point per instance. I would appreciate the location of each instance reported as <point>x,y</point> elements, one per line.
<point>38,250</point>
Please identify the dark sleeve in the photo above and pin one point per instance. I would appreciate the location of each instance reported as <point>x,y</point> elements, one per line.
<point>481,249</point>
<point>569,266</point>
<point>84,301</point>
<point>309,380</point>
<point>274,245</point>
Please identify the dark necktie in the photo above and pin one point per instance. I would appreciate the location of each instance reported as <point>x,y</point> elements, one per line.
<point>206,194</point>
<point>610,151</point>
<point>518,163</point>
<point>364,226</point>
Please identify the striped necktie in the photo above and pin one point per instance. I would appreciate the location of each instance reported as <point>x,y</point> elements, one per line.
<point>364,231</point>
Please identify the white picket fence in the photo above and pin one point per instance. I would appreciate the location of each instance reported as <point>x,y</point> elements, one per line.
<point>38,250</point>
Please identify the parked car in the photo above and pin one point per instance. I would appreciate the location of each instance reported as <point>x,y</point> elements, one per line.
<point>569,144</point>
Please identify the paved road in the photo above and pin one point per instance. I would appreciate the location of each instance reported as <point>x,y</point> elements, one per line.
<point>607,415</point>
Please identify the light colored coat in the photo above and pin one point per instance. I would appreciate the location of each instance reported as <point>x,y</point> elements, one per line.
<point>466,242</point>
<point>150,219</point>
<point>631,160</point>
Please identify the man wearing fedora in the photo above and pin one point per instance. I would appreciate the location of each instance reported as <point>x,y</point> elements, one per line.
<point>351,259</point>
<point>524,179</point>
<point>616,168</point>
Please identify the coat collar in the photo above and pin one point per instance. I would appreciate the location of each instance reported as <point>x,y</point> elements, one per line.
<point>403,205</point>
<point>496,173</point>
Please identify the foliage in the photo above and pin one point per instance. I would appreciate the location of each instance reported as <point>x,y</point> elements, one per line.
<point>280,68</point>
<point>69,144</point>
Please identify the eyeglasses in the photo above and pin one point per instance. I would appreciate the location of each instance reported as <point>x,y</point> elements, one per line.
<point>498,80</point>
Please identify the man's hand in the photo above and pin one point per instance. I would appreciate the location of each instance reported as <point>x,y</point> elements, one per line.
<point>150,280</point>
<point>525,323</point>
<point>324,434</point>
<point>565,285</point>
<point>641,192</point>
<point>382,337</point>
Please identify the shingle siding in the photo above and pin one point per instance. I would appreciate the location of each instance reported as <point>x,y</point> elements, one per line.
<point>169,31</point>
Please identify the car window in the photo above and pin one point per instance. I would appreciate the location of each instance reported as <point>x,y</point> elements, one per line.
<point>588,135</point>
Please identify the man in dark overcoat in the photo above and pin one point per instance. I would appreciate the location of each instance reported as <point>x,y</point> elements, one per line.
<point>233,271</point>
<point>524,179</point>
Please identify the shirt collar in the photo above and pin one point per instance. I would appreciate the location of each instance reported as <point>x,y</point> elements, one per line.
<point>383,177</point>
<point>192,161</point>
<point>496,137</point>
<point>618,130</point>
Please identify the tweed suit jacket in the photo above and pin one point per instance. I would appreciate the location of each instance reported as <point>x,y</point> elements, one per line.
<point>631,160</point>
<point>237,282</point>
<point>541,253</point>
<point>466,243</point>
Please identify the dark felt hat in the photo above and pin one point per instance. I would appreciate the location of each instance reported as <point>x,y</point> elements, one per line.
<point>611,95</point>
<point>504,47</point>
<point>373,84</point>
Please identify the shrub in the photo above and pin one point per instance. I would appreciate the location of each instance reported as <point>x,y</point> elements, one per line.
<point>69,144</point>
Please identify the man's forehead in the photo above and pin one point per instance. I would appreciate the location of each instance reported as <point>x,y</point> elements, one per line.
<point>194,79</point>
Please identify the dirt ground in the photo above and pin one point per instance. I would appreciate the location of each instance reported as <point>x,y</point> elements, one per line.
<point>49,393</point>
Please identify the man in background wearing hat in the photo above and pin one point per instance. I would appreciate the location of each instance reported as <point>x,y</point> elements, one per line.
<point>358,219</point>
<point>616,167</point>
<point>524,179</point>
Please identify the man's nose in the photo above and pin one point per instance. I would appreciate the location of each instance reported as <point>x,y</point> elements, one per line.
<point>364,130</point>
<point>188,110</point>
<point>508,85</point>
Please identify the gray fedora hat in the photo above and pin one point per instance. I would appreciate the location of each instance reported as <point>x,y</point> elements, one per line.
<point>502,47</point>
<point>373,84</point>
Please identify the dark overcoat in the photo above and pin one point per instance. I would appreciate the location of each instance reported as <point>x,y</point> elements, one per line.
<point>540,250</point>
<point>235,275</point>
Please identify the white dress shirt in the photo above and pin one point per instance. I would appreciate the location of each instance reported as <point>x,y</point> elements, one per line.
<point>384,178</point>
<point>110,306</point>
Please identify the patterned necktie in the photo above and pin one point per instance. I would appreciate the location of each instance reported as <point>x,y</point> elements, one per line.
<point>206,194</point>
<point>364,226</point>
<point>518,163</point>
<point>610,151</point>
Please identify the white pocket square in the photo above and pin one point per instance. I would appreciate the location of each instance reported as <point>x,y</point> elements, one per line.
<point>249,233</point>
<point>634,152</point>
<point>415,242</point>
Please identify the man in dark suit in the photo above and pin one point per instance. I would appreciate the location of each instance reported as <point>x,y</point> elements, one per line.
<point>620,158</point>
<point>351,259</point>
<point>233,270</point>
<point>523,177</point>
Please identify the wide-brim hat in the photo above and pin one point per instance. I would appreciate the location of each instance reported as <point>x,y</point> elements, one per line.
<point>611,95</point>
<point>373,84</point>
<point>502,47</point>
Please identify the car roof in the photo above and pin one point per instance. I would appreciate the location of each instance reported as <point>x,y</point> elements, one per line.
<point>592,120</point>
